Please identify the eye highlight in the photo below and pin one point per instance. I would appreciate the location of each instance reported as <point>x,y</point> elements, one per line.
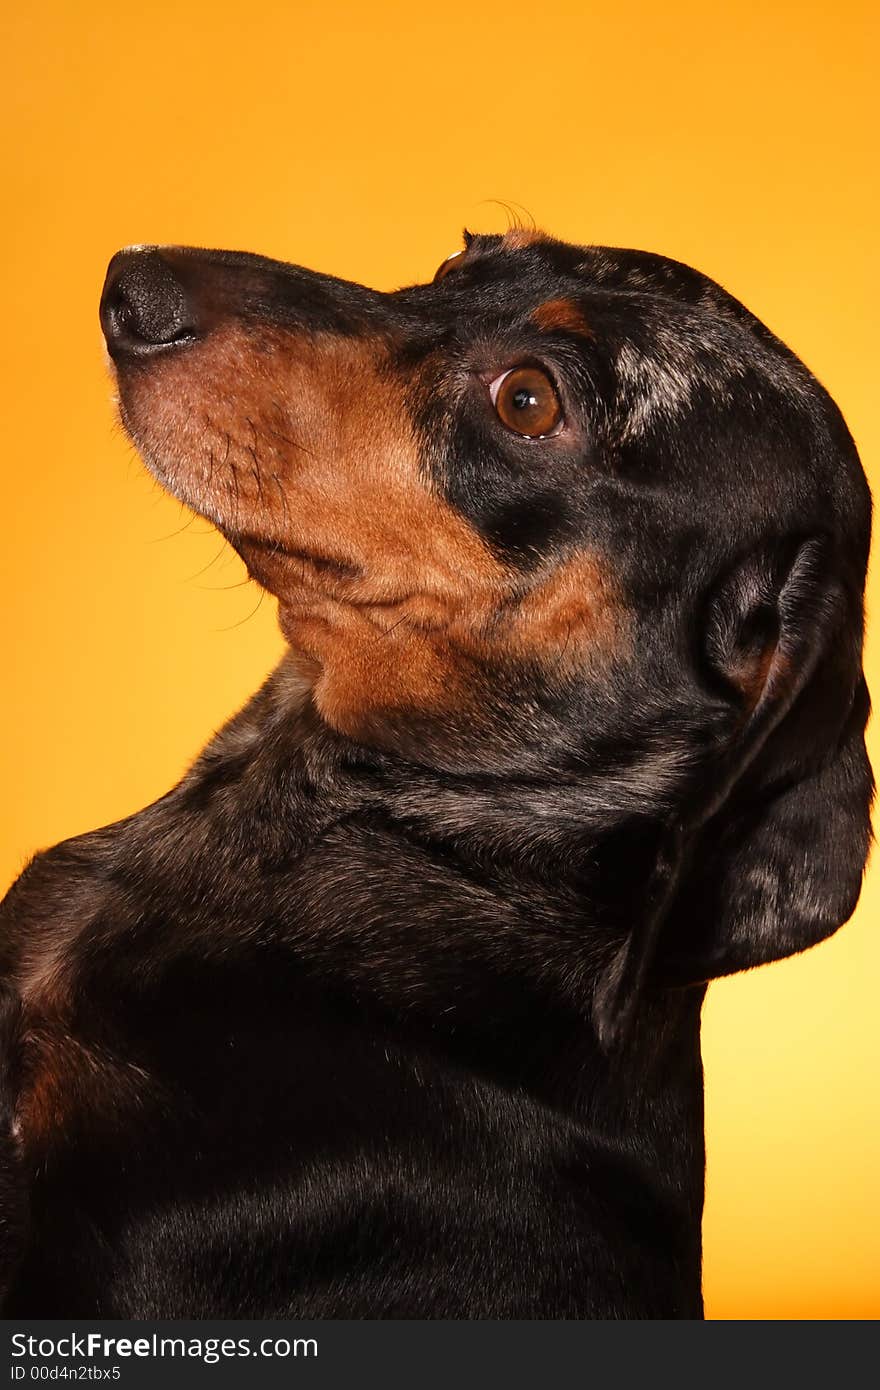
<point>526,401</point>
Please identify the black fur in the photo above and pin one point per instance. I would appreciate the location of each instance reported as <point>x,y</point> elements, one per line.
<point>407,1025</point>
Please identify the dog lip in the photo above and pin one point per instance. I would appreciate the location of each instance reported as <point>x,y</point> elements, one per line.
<point>346,589</point>
<point>324,564</point>
<point>131,349</point>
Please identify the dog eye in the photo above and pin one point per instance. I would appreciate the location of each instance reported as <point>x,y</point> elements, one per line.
<point>525,400</point>
<point>444,268</point>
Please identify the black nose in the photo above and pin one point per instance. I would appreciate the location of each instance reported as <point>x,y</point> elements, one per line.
<point>144,307</point>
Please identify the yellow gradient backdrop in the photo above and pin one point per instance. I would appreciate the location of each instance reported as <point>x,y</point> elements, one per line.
<point>358,139</point>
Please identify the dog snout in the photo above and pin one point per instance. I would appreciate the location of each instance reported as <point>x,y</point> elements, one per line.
<point>145,309</point>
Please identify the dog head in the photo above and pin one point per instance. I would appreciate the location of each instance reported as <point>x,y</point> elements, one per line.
<point>562,514</point>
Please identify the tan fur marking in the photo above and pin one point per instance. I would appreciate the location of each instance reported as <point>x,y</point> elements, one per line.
<point>408,659</point>
<point>64,1077</point>
<point>752,673</point>
<point>556,315</point>
<point>573,607</point>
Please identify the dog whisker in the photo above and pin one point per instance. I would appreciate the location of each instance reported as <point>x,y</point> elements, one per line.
<point>247,618</point>
<point>198,574</point>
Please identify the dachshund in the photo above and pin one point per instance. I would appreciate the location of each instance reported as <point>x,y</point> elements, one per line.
<point>391,1008</point>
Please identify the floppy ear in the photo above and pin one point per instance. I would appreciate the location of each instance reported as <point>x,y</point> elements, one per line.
<point>781,870</point>
<point>768,858</point>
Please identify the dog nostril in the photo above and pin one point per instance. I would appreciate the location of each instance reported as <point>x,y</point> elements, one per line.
<point>144,307</point>
<point>122,315</point>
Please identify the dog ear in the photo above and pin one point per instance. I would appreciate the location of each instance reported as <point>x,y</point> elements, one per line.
<point>780,869</point>
<point>768,858</point>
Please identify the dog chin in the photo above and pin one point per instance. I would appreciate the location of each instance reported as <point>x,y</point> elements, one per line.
<point>178,476</point>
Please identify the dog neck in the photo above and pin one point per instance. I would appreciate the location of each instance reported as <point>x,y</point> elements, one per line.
<point>480,909</point>
<point>423,890</point>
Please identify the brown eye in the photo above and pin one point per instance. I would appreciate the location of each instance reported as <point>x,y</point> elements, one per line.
<point>525,400</point>
<point>443,270</point>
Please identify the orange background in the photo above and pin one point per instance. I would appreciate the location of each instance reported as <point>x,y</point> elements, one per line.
<point>358,139</point>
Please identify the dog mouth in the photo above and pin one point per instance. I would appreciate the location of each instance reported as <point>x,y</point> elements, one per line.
<point>314,584</point>
<point>279,473</point>
<point>212,472</point>
<point>300,448</point>
<point>256,547</point>
<point>285,548</point>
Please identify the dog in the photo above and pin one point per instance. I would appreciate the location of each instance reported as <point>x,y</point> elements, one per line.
<point>391,1008</point>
